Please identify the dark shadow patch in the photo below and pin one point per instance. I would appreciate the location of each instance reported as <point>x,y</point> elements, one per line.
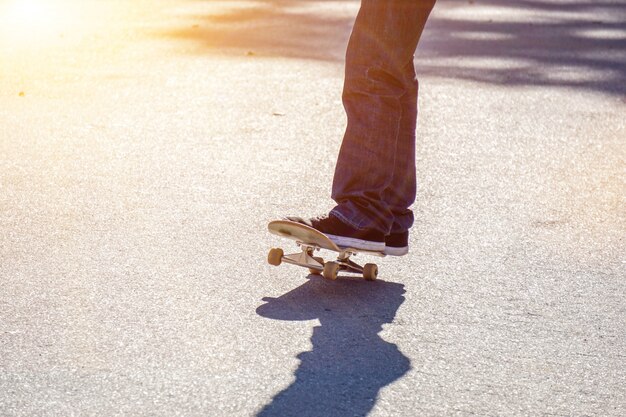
<point>349,363</point>
<point>573,44</point>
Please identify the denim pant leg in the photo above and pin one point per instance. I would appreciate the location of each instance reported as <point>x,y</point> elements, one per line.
<point>374,177</point>
<point>400,194</point>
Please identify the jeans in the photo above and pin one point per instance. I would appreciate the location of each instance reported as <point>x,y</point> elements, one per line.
<point>374,183</point>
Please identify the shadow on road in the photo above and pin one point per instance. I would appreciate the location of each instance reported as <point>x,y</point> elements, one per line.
<point>572,43</point>
<point>276,28</point>
<point>576,43</point>
<point>349,362</point>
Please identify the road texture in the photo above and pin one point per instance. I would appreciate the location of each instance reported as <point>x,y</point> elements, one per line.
<point>145,145</point>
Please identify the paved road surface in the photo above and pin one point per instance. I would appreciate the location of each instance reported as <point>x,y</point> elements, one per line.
<point>144,146</point>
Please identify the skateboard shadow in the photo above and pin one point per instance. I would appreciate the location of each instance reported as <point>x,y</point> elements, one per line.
<point>349,362</point>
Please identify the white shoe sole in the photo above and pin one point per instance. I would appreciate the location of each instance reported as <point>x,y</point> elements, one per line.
<point>391,251</point>
<point>350,242</point>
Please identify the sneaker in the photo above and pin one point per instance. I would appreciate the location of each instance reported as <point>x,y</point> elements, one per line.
<point>397,244</point>
<point>344,235</point>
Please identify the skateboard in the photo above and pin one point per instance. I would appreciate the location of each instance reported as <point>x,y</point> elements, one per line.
<point>311,240</point>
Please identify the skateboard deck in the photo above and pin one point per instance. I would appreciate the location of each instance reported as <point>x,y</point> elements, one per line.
<point>311,240</point>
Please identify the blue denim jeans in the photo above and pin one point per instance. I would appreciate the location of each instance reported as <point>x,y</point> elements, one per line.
<point>374,182</point>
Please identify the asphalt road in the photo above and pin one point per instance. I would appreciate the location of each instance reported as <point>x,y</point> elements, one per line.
<point>145,145</point>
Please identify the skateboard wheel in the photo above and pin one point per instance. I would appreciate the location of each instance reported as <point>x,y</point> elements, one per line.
<point>331,269</point>
<point>370,272</point>
<point>316,271</point>
<point>275,256</point>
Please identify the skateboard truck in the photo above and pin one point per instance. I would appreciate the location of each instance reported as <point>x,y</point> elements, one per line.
<point>310,240</point>
<point>305,258</point>
<point>330,269</point>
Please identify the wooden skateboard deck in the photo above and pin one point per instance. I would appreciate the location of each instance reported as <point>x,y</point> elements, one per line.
<point>310,240</point>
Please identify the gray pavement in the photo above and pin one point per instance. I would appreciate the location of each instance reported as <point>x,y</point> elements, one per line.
<point>144,147</point>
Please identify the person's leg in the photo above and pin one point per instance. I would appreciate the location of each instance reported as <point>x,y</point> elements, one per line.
<point>374,179</point>
<point>400,193</point>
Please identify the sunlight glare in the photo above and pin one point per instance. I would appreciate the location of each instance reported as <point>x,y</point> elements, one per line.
<point>28,20</point>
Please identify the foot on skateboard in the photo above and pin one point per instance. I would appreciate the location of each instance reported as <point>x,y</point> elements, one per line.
<point>311,240</point>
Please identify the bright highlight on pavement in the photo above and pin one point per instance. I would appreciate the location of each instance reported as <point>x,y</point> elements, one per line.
<point>25,21</point>
<point>29,15</point>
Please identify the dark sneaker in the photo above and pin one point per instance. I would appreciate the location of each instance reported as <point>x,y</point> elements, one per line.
<point>397,244</point>
<point>344,235</point>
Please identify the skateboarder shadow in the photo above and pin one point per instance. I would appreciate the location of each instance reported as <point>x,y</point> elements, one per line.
<point>349,363</point>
